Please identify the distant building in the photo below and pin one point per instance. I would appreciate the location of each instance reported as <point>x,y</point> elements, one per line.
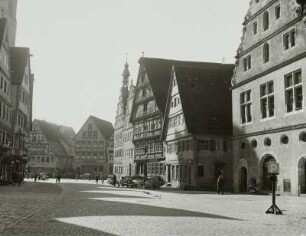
<point>51,149</point>
<point>197,125</point>
<point>94,146</point>
<point>268,90</point>
<point>123,146</point>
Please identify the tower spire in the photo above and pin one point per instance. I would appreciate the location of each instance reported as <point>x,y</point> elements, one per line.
<point>125,75</point>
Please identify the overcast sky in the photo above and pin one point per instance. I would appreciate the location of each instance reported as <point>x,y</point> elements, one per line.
<point>79,46</point>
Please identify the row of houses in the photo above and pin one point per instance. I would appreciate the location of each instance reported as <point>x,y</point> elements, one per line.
<point>16,95</point>
<point>56,149</point>
<point>191,121</point>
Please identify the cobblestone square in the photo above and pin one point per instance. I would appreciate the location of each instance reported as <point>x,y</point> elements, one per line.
<point>85,208</point>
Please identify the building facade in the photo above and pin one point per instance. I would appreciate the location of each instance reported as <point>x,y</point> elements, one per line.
<point>120,122</point>
<point>94,146</point>
<point>123,145</point>
<point>16,92</point>
<point>197,126</point>
<point>50,149</point>
<point>8,10</point>
<point>268,90</point>
<point>147,114</point>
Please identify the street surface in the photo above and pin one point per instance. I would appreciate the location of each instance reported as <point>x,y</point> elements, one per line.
<point>85,208</point>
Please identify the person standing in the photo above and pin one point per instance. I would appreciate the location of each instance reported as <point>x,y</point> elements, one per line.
<point>97,179</point>
<point>35,177</point>
<point>220,184</point>
<point>114,180</point>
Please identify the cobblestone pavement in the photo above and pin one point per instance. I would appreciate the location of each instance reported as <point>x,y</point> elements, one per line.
<point>88,209</point>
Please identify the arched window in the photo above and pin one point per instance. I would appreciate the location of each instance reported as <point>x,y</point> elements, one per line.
<point>265,20</point>
<point>266,53</point>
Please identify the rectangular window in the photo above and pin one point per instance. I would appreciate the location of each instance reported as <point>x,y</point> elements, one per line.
<point>255,27</point>
<point>247,64</point>
<point>277,11</point>
<point>289,39</point>
<point>245,107</point>
<point>267,99</point>
<point>200,171</point>
<point>294,91</point>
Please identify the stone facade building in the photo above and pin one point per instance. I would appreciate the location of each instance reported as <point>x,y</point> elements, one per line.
<point>268,90</point>
<point>197,125</point>
<point>51,149</point>
<point>94,146</point>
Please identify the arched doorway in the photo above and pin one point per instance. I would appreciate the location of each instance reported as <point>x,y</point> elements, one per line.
<point>302,174</point>
<point>243,179</point>
<point>266,184</point>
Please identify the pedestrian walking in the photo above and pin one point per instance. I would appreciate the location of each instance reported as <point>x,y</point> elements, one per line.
<point>114,180</point>
<point>76,177</point>
<point>220,184</point>
<point>97,179</point>
<point>102,179</point>
<point>35,177</point>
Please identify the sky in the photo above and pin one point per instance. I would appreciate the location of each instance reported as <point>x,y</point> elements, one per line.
<point>79,47</point>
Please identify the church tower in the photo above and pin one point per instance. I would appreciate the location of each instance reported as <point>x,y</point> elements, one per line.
<point>8,10</point>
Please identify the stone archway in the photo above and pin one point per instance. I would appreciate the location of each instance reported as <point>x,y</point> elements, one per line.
<point>302,174</point>
<point>243,179</point>
<point>266,184</point>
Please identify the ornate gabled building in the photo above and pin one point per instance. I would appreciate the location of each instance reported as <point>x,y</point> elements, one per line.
<point>51,149</point>
<point>146,115</point>
<point>268,90</point>
<point>198,126</point>
<point>120,121</point>
<point>94,146</point>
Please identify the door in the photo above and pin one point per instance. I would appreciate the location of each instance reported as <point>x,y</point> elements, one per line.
<point>243,179</point>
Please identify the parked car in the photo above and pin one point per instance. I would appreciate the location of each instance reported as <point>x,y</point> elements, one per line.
<point>153,182</point>
<point>126,181</point>
<point>137,181</point>
<point>85,176</point>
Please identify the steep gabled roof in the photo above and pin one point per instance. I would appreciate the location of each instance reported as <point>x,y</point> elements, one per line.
<point>56,135</point>
<point>205,97</point>
<point>19,60</point>
<point>159,73</point>
<point>105,127</point>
